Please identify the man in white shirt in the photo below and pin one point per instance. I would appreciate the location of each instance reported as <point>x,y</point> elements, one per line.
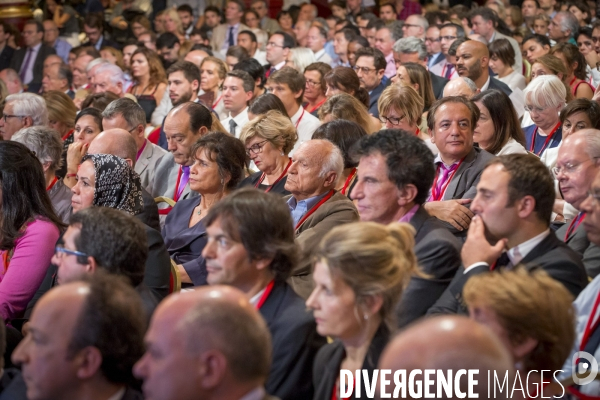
<point>225,35</point>
<point>247,39</point>
<point>384,42</point>
<point>288,84</point>
<point>301,31</point>
<point>316,39</point>
<point>238,89</point>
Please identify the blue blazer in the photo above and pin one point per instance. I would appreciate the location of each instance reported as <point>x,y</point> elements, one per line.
<point>529,132</point>
<point>185,244</point>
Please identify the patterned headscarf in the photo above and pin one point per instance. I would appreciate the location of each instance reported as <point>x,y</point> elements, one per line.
<point>117,184</point>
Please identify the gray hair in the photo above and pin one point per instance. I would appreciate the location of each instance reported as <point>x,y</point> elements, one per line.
<point>592,142</point>
<point>95,62</point>
<point>421,21</point>
<point>568,22</point>
<point>45,142</point>
<point>115,73</point>
<point>131,111</point>
<point>334,161</point>
<point>409,45</point>
<point>29,105</point>
<point>302,58</point>
<point>545,91</point>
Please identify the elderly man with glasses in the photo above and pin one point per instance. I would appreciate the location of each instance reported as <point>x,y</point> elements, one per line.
<point>22,111</point>
<point>370,68</point>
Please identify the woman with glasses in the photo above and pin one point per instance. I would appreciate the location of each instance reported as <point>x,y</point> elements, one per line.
<point>545,96</point>
<point>29,228</point>
<point>219,161</point>
<point>269,138</point>
<point>314,91</point>
<point>88,125</point>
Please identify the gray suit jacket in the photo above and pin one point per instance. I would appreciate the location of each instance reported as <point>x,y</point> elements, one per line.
<point>220,33</point>
<point>518,65</point>
<point>60,196</point>
<point>145,166</point>
<point>464,182</point>
<point>579,242</point>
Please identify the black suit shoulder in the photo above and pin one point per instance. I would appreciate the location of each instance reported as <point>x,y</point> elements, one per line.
<point>499,85</point>
<point>158,265</point>
<point>6,57</point>
<point>149,215</point>
<point>438,83</point>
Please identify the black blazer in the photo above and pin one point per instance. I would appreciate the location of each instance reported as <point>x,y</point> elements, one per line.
<point>6,56</point>
<point>499,85</point>
<point>38,67</point>
<point>438,83</point>
<point>579,242</point>
<point>278,188</point>
<point>149,215</point>
<point>374,97</point>
<point>295,344</point>
<point>438,254</point>
<point>105,42</point>
<point>551,255</point>
<point>326,371</point>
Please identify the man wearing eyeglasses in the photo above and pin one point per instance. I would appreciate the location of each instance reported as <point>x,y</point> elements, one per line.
<point>448,34</point>
<point>434,48</point>
<point>415,26</point>
<point>278,48</point>
<point>384,42</point>
<point>577,164</point>
<point>22,110</point>
<point>370,68</point>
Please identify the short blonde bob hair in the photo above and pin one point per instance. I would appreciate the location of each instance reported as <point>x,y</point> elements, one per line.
<point>60,107</point>
<point>402,98</point>
<point>274,127</point>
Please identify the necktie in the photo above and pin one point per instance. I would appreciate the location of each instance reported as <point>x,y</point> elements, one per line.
<point>445,172</point>
<point>503,261</point>
<point>25,66</point>
<point>270,71</point>
<point>232,126</point>
<point>449,70</point>
<point>231,43</point>
<point>185,177</point>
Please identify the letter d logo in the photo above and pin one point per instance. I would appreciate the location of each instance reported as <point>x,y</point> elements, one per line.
<point>587,365</point>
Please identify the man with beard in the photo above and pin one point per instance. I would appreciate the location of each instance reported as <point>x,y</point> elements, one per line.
<point>512,208</point>
<point>472,59</point>
<point>183,82</point>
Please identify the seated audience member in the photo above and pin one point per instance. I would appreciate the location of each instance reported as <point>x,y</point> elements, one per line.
<point>314,91</point>
<point>109,78</point>
<point>12,81</point>
<point>354,45</point>
<point>316,40</point>
<point>248,40</point>
<point>268,139</point>
<point>183,126</point>
<point>461,86</point>
<point>385,38</point>
<point>498,130</point>
<point>149,80</point>
<point>401,107</point>
<point>58,77</point>
<point>257,72</point>
<point>575,64</point>
<point>395,172</point>
<point>167,47</point>
<point>345,106</point>
<point>413,50</point>
<point>61,113</point>
<point>259,265</point>
<point>214,368</point>
<point>88,125</point>
<point>289,84</point>
<point>502,58</point>
<point>341,40</point>
<point>370,66</point>
<point>531,313</point>
<point>99,100</point>
<point>213,72</point>
<point>545,96</point>
<point>299,58</point>
<point>126,114</point>
<point>22,111</point>
<point>47,146</point>
<point>29,227</point>
<point>95,329</point>
<point>353,305</point>
<point>535,46</point>
<point>344,134</point>
<point>345,80</point>
<point>217,169</point>
<point>511,226</point>
<point>417,77</point>
<point>472,61</point>
<point>451,122</point>
<point>576,166</point>
<point>450,343</point>
<point>234,55</point>
<point>314,204</point>
<point>238,89</point>
<point>265,103</point>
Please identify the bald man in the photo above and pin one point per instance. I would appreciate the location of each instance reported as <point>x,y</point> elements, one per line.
<point>450,343</point>
<point>472,60</point>
<point>231,361</point>
<point>461,86</point>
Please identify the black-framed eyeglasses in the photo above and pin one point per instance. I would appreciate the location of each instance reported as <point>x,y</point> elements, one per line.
<point>447,37</point>
<point>272,44</point>
<point>364,70</point>
<point>392,120</point>
<point>7,116</point>
<point>427,39</point>
<point>60,249</point>
<point>312,83</point>
<point>256,148</point>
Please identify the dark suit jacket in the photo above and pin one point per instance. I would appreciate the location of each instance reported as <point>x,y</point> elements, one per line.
<point>579,242</point>
<point>295,344</point>
<point>6,56</point>
<point>374,97</point>
<point>464,182</point>
<point>105,43</point>
<point>329,359</point>
<point>185,244</point>
<point>499,85</point>
<point>71,94</point>
<point>438,83</point>
<point>252,180</point>
<point>338,210</point>
<point>150,214</point>
<point>438,254</point>
<point>551,255</point>
<point>38,67</point>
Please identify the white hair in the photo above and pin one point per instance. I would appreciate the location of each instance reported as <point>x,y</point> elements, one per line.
<point>592,141</point>
<point>114,72</point>
<point>546,91</point>
<point>95,62</point>
<point>410,45</point>
<point>29,105</point>
<point>45,142</point>
<point>302,58</point>
<point>334,162</point>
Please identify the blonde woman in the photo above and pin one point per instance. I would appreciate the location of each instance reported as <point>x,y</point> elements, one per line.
<point>353,304</point>
<point>172,23</point>
<point>299,58</point>
<point>212,75</point>
<point>269,138</point>
<point>61,114</point>
<point>344,106</point>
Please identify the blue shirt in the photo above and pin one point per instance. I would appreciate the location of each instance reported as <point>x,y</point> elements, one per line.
<point>62,49</point>
<point>300,208</point>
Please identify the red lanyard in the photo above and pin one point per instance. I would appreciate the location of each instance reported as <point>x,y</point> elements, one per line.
<point>284,173</point>
<point>52,184</point>
<point>334,395</point>
<point>68,134</point>
<point>176,194</point>
<point>418,132</point>
<point>317,106</point>
<point>217,102</point>
<point>300,119</point>
<point>548,139</point>
<point>312,210</point>
<point>265,294</point>
<point>574,225</point>
<point>438,196</point>
<point>348,180</point>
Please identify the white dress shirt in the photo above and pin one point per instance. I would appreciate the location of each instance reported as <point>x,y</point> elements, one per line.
<point>261,57</point>
<point>240,121</point>
<point>306,124</point>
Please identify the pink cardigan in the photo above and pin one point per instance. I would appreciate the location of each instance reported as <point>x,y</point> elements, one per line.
<point>27,267</point>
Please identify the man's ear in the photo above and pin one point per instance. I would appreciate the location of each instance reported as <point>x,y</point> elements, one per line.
<point>330,179</point>
<point>92,265</point>
<point>88,361</point>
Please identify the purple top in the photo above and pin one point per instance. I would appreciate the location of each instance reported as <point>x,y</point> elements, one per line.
<point>27,267</point>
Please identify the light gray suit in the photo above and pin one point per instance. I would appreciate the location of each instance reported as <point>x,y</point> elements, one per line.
<point>220,33</point>
<point>518,65</point>
<point>464,182</point>
<point>146,164</point>
<point>579,242</point>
